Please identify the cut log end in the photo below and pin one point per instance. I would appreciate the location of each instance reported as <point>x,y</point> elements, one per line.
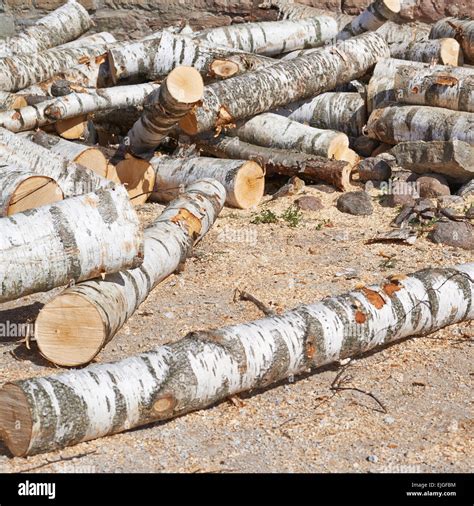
<point>138,177</point>
<point>394,6</point>
<point>69,330</point>
<point>249,185</point>
<point>338,147</point>
<point>34,192</point>
<point>224,68</point>
<point>450,52</point>
<point>185,85</point>
<point>349,155</point>
<point>93,159</point>
<point>15,420</point>
<point>72,128</point>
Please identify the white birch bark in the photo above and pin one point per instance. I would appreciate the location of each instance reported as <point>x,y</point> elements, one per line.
<point>243,180</point>
<point>451,88</point>
<point>73,179</point>
<point>60,26</point>
<point>442,51</point>
<point>285,82</point>
<point>209,366</point>
<point>460,29</point>
<point>395,33</point>
<point>401,123</point>
<point>77,239</point>
<point>274,131</point>
<point>115,298</point>
<point>272,37</point>
<point>104,38</point>
<point>9,101</point>
<point>154,58</point>
<point>372,18</point>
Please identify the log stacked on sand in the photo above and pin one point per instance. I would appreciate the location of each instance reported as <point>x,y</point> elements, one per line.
<point>373,17</point>
<point>243,180</point>
<point>76,325</point>
<point>454,159</point>
<point>21,189</point>
<point>164,108</point>
<point>205,367</point>
<point>285,82</point>
<point>74,240</point>
<point>281,161</point>
<point>272,37</point>
<point>442,51</point>
<point>60,26</point>
<point>451,88</point>
<point>460,29</point>
<point>400,123</point>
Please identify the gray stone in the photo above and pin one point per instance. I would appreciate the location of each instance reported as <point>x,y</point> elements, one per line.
<point>466,190</point>
<point>450,200</point>
<point>309,203</point>
<point>399,193</point>
<point>358,203</point>
<point>452,233</point>
<point>325,188</point>
<point>389,420</point>
<point>433,185</point>
<point>373,458</point>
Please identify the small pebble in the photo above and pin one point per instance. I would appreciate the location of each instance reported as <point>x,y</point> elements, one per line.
<point>373,458</point>
<point>389,420</point>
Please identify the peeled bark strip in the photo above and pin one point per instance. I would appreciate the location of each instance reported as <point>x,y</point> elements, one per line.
<point>243,180</point>
<point>460,29</point>
<point>373,17</point>
<point>272,37</point>
<point>451,88</point>
<point>77,239</point>
<point>48,413</point>
<point>73,179</point>
<point>152,59</point>
<point>401,123</point>
<point>164,108</point>
<point>285,82</point>
<point>22,189</point>
<point>102,306</point>
<point>454,159</point>
<point>60,26</point>
<point>274,131</point>
<point>442,51</point>
<point>282,161</point>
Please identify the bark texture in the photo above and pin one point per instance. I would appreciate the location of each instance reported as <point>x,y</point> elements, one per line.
<point>395,33</point>
<point>376,168</point>
<point>442,51</point>
<point>208,366</point>
<point>285,82</point>
<point>400,123</point>
<point>73,240</point>
<point>460,29</point>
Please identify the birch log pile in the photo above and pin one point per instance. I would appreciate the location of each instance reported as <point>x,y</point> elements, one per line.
<point>243,180</point>
<point>451,88</point>
<point>400,123</point>
<point>73,327</point>
<point>138,176</point>
<point>285,82</point>
<point>60,26</point>
<point>70,241</point>
<point>47,413</point>
<point>281,161</point>
<point>460,29</point>
<point>443,51</point>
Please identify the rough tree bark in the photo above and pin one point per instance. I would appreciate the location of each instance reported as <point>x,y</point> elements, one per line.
<point>275,131</point>
<point>451,88</point>
<point>243,180</point>
<point>285,82</point>
<point>454,159</point>
<point>77,239</point>
<point>104,305</point>
<point>400,123</point>
<point>272,37</point>
<point>460,29</point>
<point>164,108</point>
<point>209,366</point>
<point>105,38</point>
<point>395,33</point>
<point>60,26</point>
<point>282,161</point>
<point>376,168</point>
<point>442,51</point>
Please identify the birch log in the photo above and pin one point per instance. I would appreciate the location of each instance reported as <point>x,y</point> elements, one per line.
<point>274,131</point>
<point>21,189</point>
<point>105,38</point>
<point>73,179</point>
<point>400,123</point>
<point>395,33</point>
<point>72,328</point>
<point>49,413</point>
<point>452,88</point>
<point>454,159</point>
<point>60,26</point>
<point>282,161</point>
<point>272,37</point>
<point>164,108</point>
<point>373,17</point>
<point>243,180</point>
<point>460,29</point>
<point>152,59</point>
<point>70,241</point>
<point>442,51</point>
<point>285,82</point>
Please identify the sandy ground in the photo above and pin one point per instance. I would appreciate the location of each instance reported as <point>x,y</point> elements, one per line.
<point>425,384</point>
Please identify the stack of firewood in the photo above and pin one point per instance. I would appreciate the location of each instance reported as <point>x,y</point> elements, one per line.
<point>90,126</point>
